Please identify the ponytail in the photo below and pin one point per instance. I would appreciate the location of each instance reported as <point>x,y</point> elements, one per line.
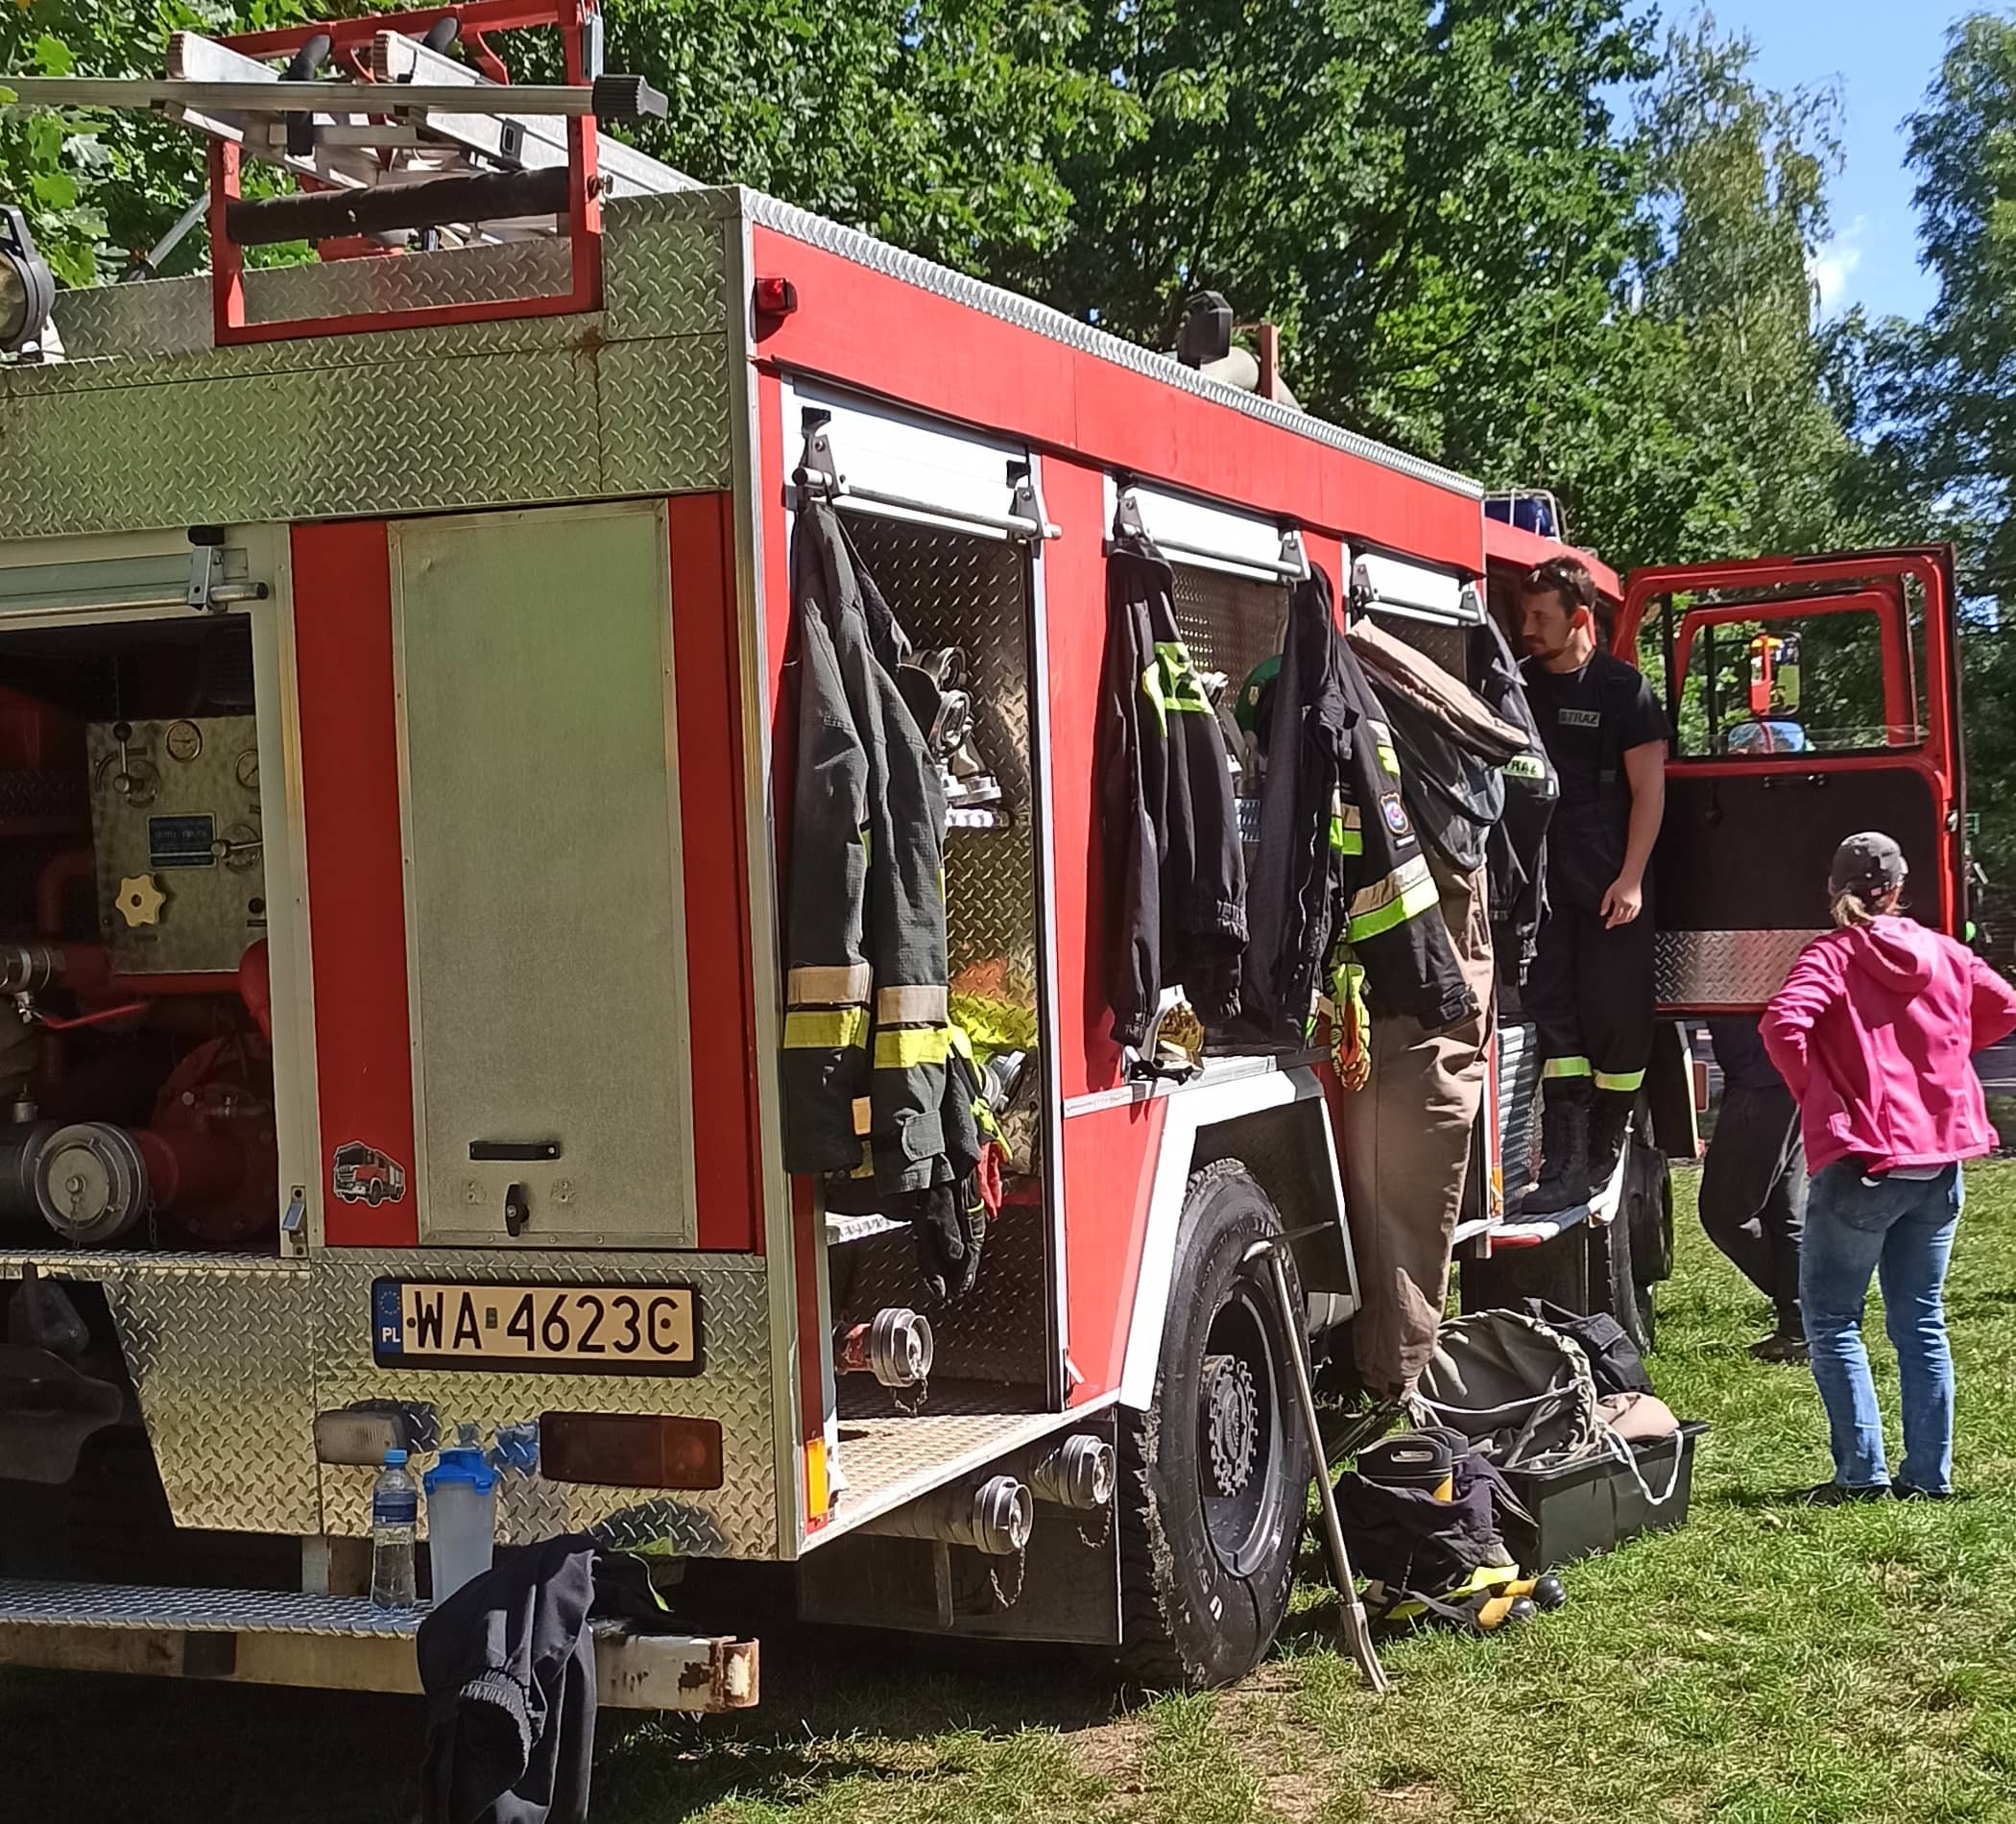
<point>1851,908</point>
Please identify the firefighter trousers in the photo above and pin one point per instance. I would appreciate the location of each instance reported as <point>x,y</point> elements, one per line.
<point>1590,994</point>
<point>1407,1141</point>
<point>1753,1190</point>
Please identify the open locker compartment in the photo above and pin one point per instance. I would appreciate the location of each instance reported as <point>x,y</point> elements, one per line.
<point>951,588</point>
<point>150,1096</point>
<point>1232,571</point>
<point>947,525</point>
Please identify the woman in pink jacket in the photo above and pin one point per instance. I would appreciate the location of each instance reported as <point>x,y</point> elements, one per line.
<point>1874,1031</point>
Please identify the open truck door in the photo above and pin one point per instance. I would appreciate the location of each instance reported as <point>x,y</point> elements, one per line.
<point>1810,698</point>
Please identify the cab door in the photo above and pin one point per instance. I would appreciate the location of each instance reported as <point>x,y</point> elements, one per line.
<point>1810,698</point>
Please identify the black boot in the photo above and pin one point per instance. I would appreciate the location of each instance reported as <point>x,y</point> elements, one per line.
<point>1563,1148</point>
<point>1609,1126</point>
<point>1786,1343</point>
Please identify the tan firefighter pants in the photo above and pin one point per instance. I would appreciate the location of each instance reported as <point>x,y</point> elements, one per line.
<point>1407,1141</point>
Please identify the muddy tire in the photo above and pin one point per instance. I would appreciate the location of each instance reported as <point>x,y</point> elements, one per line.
<point>1215,1476</point>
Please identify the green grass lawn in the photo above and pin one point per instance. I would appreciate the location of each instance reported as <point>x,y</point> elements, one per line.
<point>1766,1664</point>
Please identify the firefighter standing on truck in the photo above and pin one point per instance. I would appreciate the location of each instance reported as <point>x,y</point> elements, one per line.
<point>1590,991</point>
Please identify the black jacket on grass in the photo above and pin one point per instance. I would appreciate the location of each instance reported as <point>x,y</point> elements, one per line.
<point>508,1668</point>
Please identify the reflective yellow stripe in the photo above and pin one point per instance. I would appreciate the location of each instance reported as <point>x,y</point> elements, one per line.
<point>1347,839</point>
<point>910,1006</point>
<point>1622,1082</point>
<point>1566,1068</point>
<point>1406,893</point>
<point>1171,684</point>
<point>906,1048</point>
<point>829,985</point>
<point>829,1029</point>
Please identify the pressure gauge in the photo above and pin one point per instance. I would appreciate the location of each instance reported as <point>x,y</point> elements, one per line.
<point>248,769</point>
<point>183,741</point>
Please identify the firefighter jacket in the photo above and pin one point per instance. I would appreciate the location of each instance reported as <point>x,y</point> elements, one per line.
<point>1516,853</point>
<point>1176,874</point>
<point>1451,745</point>
<point>866,1017</point>
<point>1338,856</point>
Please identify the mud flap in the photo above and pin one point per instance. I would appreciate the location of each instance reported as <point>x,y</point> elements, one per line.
<point>47,1410</point>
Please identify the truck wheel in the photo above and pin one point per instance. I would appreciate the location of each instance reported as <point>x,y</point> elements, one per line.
<point>1616,1283</point>
<point>1215,1476</point>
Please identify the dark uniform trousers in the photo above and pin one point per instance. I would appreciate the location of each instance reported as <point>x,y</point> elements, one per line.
<point>1753,1189</point>
<point>1589,995</point>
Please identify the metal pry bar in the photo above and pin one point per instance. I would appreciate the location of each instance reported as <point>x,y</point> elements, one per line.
<point>610,98</point>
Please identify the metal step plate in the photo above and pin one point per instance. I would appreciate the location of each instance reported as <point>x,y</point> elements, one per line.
<point>257,1637</point>
<point>893,1457</point>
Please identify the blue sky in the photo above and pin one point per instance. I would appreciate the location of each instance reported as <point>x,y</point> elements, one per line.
<point>1882,56</point>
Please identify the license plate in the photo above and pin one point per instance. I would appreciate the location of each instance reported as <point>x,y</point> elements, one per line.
<point>627,1329</point>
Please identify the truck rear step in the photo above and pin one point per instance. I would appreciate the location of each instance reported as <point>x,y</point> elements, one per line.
<point>256,1637</point>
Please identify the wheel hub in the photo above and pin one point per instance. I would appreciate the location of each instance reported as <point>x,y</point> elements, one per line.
<point>1231,1421</point>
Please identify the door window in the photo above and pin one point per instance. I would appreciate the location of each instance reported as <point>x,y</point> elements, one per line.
<point>1817,677</point>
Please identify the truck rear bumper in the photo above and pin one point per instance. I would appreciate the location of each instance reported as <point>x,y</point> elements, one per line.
<point>252,1636</point>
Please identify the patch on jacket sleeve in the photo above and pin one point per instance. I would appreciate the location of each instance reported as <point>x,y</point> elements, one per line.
<point>1395,814</point>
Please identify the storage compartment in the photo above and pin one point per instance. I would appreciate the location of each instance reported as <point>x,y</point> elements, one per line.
<point>966,590</point>
<point>1596,1506</point>
<point>136,1046</point>
<point>544,877</point>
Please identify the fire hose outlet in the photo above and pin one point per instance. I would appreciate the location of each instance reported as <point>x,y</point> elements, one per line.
<point>896,1348</point>
<point>1079,1472</point>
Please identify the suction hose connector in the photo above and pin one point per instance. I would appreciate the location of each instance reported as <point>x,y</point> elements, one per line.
<point>896,1348</point>
<point>1079,1472</point>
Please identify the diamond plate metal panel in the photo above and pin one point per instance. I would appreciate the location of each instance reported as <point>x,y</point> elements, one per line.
<point>665,409</point>
<point>413,281</point>
<point>864,250</point>
<point>219,1352</point>
<point>995,1334</point>
<point>150,316</point>
<point>1230,623</point>
<point>160,429</point>
<point>1723,969</point>
<point>119,1605</point>
<point>739,1519</point>
<point>668,266</point>
<point>888,1460</point>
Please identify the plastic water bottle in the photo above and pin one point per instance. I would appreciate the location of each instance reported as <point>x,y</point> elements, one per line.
<point>394,1518</point>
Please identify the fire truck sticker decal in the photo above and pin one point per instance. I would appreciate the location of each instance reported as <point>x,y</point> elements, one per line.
<point>362,1175</point>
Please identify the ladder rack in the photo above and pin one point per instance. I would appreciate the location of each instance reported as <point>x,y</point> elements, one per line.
<point>415,150</point>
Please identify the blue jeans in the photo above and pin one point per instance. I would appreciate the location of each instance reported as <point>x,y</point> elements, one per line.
<point>1901,1228</point>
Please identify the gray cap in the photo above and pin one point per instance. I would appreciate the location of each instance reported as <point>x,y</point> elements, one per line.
<point>1870,863</point>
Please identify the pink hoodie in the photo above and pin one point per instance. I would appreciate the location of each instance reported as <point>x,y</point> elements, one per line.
<point>1873,1031</point>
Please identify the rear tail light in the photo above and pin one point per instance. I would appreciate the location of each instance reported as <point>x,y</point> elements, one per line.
<point>620,1450</point>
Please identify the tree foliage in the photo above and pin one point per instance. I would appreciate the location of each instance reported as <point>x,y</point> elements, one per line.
<point>1472,250</point>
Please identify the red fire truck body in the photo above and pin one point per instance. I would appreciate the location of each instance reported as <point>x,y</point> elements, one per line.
<point>505,595</point>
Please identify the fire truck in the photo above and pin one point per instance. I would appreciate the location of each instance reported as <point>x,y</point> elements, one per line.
<point>455,561</point>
